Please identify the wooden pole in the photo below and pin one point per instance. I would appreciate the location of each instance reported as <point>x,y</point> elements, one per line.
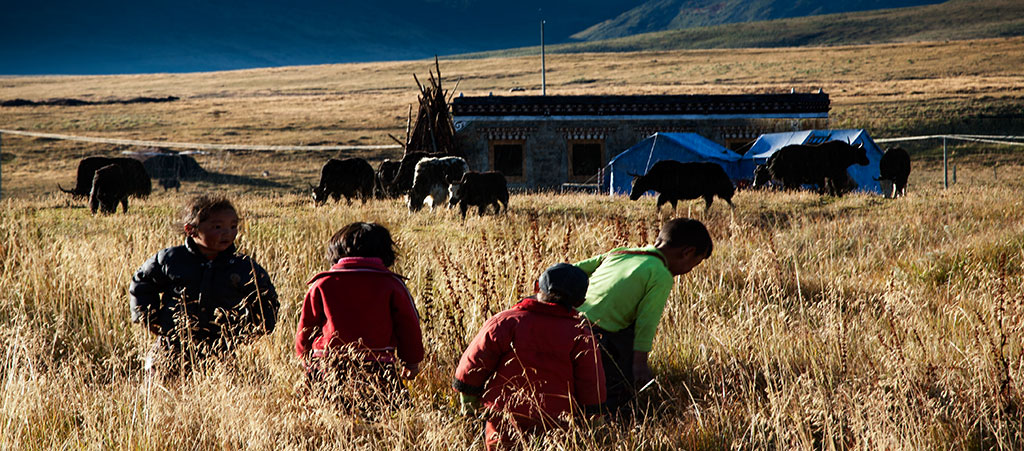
<point>945,165</point>
<point>437,66</point>
<point>408,130</point>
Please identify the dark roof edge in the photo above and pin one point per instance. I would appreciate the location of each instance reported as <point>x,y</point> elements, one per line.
<point>612,99</point>
<point>641,104</point>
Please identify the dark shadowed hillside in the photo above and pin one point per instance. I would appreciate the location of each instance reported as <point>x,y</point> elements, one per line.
<point>108,36</point>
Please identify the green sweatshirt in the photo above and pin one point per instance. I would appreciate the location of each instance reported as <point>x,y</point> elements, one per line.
<point>627,288</point>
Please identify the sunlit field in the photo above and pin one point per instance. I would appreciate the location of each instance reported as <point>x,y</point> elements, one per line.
<point>852,322</point>
<point>819,322</point>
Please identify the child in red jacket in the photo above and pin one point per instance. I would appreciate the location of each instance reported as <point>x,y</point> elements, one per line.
<point>536,364</point>
<point>357,317</point>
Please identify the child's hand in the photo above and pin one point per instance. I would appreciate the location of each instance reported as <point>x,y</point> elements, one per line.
<point>469,405</point>
<point>410,371</point>
<point>642,373</point>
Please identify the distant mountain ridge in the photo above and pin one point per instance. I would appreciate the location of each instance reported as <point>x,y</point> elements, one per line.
<point>662,15</point>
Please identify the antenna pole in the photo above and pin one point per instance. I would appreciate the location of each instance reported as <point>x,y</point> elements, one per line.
<point>543,69</point>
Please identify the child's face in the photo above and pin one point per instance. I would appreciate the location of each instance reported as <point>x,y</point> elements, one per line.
<point>682,260</point>
<point>217,233</point>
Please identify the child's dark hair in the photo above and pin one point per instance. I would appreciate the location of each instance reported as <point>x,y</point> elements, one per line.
<point>558,298</point>
<point>686,232</point>
<point>199,209</point>
<point>362,239</point>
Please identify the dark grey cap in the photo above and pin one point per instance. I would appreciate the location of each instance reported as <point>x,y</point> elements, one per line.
<point>565,279</point>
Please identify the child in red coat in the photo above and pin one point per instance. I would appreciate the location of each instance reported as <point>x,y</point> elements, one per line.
<point>536,364</point>
<point>358,319</point>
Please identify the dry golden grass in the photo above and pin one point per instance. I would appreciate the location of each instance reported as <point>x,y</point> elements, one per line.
<point>849,323</point>
<point>818,323</point>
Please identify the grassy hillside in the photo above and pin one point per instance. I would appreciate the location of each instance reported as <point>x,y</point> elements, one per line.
<point>953,20</point>
<point>663,15</point>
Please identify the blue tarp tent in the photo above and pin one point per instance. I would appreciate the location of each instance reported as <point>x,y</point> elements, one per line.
<point>684,147</point>
<point>768,144</point>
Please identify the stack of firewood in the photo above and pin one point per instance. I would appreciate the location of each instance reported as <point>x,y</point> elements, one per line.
<point>434,131</point>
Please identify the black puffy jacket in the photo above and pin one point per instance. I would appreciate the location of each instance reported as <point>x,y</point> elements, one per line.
<point>223,299</point>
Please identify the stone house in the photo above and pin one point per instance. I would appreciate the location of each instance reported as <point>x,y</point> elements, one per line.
<point>544,142</point>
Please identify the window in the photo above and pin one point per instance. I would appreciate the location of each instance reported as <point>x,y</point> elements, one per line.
<point>586,158</point>
<point>507,157</point>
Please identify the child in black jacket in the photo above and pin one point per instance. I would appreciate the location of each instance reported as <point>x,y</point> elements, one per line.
<point>201,298</point>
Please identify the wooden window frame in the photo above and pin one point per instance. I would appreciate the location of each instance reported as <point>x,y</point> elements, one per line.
<point>499,142</point>
<point>569,150</point>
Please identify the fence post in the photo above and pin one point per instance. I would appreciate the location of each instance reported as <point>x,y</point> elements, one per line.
<point>945,165</point>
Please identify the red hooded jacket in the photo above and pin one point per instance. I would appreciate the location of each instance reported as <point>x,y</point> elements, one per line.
<point>536,361</point>
<point>360,302</point>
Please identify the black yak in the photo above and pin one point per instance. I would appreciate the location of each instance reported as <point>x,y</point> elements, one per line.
<point>674,181</point>
<point>174,165</point>
<point>432,179</point>
<point>108,190</point>
<point>480,189</point>
<point>386,173</point>
<point>762,177</point>
<point>823,165</point>
<point>349,177</point>
<point>170,182</point>
<point>894,169</point>
<point>134,178</point>
<point>402,182</point>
